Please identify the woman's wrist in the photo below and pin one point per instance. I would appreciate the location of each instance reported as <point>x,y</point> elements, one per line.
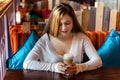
<point>81,67</point>
<point>56,68</point>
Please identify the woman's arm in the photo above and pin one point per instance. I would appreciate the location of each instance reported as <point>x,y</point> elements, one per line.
<point>35,58</point>
<point>94,59</point>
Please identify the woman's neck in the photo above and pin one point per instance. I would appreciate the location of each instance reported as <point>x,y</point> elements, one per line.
<point>65,37</point>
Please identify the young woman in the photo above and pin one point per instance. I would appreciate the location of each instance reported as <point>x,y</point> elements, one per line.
<point>62,35</point>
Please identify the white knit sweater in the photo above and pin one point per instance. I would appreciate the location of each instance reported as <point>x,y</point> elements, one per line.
<point>43,56</point>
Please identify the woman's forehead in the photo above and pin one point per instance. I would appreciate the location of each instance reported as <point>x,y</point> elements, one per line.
<point>66,17</point>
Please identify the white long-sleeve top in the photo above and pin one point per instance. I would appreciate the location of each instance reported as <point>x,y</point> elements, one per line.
<point>44,57</point>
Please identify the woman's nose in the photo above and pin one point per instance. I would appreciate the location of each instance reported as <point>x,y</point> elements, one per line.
<point>63,27</point>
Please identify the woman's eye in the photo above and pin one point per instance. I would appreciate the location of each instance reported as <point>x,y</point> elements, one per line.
<point>67,23</point>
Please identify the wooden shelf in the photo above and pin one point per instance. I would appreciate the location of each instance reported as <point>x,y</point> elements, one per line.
<point>4,6</point>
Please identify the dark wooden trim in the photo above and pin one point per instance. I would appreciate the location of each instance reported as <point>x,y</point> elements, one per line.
<point>4,6</point>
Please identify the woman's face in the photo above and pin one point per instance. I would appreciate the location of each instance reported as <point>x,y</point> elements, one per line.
<point>66,25</point>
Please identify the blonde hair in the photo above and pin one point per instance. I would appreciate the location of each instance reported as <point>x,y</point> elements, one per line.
<point>52,27</point>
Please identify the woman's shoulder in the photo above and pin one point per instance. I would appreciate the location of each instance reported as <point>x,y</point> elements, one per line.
<point>44,38</point>
<point>80,35</point>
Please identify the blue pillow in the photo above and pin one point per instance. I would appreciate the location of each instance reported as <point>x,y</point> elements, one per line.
<point>110,50</point>
<point>16,60</point>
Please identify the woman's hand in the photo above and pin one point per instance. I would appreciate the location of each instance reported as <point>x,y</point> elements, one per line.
<point>71,69</point>
<point>60,68</point>
<point>65,69</point>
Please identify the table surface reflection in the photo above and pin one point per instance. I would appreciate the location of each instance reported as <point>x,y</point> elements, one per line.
<point>98,74</point>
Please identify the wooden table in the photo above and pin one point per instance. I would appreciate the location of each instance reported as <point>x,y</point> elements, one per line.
<point>98,74</point>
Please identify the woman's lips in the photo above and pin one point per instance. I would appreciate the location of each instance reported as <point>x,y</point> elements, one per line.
<point>64,31</point>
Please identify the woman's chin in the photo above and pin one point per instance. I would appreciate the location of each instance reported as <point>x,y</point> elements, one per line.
<point>64,34</point>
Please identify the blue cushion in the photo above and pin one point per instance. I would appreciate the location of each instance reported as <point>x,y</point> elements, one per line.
<point>16,60</point>
<point>110,50</point>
